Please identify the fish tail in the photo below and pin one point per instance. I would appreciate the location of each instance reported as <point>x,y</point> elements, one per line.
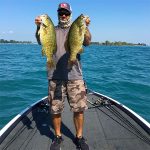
<point>71,63</point>
<point>50,64</point>
<point>81,51</point>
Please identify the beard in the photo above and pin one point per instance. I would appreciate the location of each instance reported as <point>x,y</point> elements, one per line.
<point>64,23</point>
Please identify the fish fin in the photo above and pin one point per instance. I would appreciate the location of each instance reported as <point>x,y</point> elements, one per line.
<point>50,64</point>
<point>71,63</point>
<point>43,52</point>
<point>81,51</point>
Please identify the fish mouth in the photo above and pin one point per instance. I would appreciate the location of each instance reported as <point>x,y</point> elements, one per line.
<point>43,18</point>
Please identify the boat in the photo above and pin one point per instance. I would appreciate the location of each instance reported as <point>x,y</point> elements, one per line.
<point>109,125</point>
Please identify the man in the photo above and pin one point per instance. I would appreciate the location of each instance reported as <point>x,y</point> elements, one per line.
<point>64,81</point>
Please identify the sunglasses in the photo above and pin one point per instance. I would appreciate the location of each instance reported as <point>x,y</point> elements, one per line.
<point>66,13</point>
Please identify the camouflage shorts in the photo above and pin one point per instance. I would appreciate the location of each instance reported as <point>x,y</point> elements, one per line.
<point>74,90</point>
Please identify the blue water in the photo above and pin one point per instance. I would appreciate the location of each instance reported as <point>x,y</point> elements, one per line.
<point>122,73</point>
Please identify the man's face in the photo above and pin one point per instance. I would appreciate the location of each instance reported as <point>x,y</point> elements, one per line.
<point>64,15</point>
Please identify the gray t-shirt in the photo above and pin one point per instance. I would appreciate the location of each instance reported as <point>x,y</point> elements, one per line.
<point>61,71</point>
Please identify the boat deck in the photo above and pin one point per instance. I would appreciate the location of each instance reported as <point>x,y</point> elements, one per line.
<point>106,128</point>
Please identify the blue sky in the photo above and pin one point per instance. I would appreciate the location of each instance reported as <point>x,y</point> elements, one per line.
<point>113,20</point>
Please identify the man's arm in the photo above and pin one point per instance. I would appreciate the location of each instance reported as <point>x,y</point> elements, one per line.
<point>87,38</point>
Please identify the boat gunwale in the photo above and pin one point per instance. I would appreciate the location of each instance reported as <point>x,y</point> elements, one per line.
<point>13,122</point>
<point>137,118</point>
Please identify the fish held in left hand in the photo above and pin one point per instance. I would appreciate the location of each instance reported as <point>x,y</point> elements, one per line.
<point>48,39</point>
<point>76,35</point>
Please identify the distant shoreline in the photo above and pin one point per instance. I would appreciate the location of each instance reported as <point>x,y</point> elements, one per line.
<point>106,43</point>
<point>118,43</point>
<point>14,42</point>
<point>19,43</point>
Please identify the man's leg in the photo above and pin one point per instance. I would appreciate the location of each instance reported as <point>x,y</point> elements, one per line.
<point>56,94</point>
<point>56,119</point>
<point>56,99</point>
<point>78,103</point>
<point>78,122</point>
<point>56,144</point>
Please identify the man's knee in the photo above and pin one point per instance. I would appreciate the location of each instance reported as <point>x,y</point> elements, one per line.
<point>56,115</point>
<point>78,113</point>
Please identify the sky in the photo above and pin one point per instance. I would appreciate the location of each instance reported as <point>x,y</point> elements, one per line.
<point>113,20</point>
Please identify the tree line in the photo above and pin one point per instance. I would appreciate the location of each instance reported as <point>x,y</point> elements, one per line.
<point>13,41</point>
<point>107,43</point>
<point>117,43</point>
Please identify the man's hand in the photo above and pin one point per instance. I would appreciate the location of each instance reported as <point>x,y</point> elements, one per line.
<point>87,35</point>
<point>87,21</point>
<point>38,21</point>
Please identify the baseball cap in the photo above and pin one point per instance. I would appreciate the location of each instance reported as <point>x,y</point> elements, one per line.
<point>64,6</point>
